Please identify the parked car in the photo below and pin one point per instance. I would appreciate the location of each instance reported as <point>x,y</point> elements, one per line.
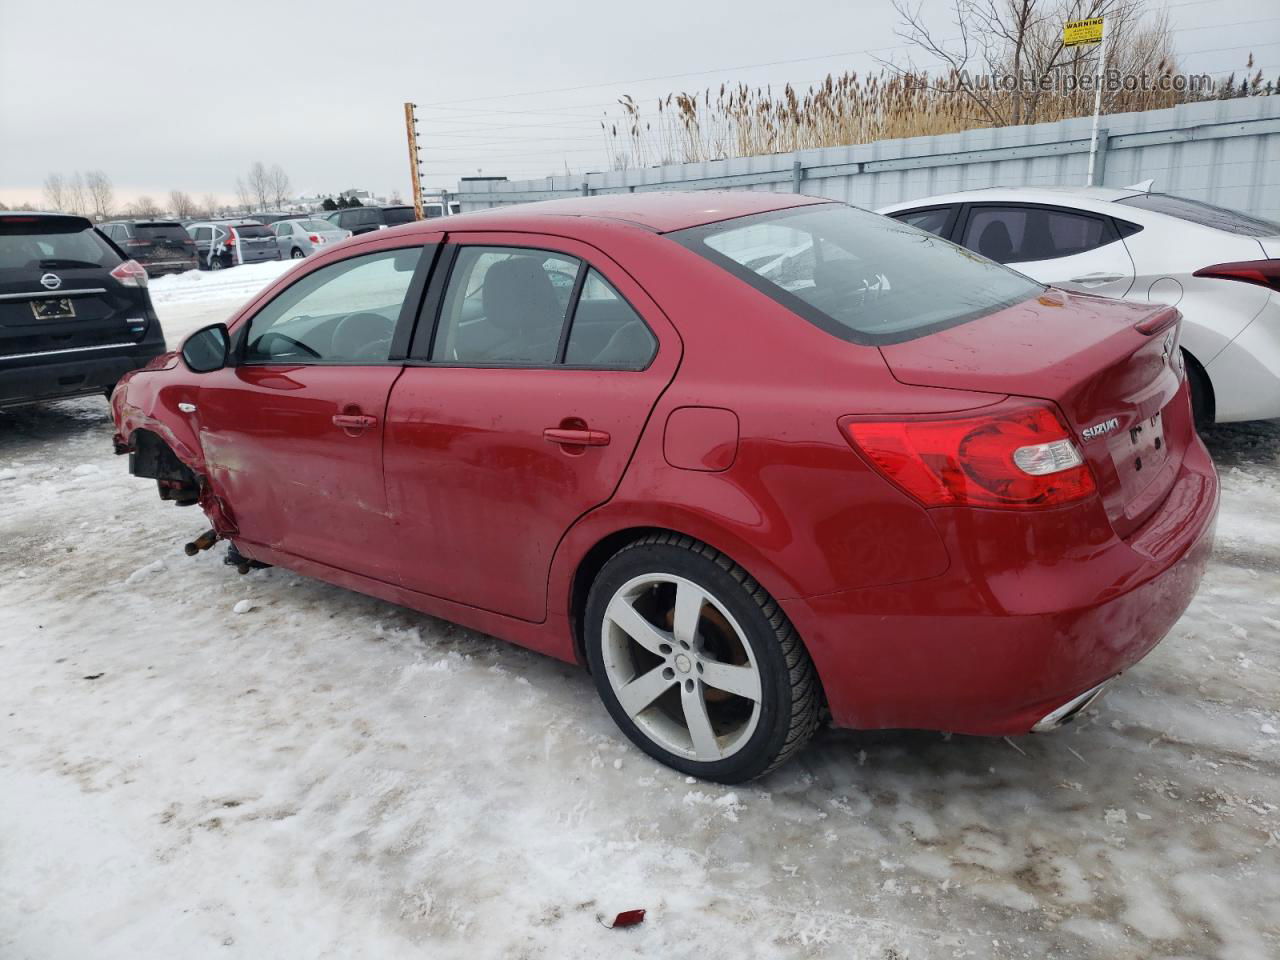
<point>1220,267</point>
<point>75,314</point>
<point>436,208</point>
<point>226,243</point>
<point>267,219</point>
<point>161,246</point>
<point>767,457</point>
<point>397,214</point>
<point>301,238</point>
<point>358,220</point>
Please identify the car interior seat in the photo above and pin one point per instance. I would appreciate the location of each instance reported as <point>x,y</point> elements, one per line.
<point>994,241</point>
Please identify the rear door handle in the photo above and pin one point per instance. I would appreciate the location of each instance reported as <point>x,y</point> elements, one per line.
<point>575,438</point>
<point>354,421</point>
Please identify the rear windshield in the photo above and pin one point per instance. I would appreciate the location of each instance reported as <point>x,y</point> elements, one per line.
<point>1204,214</point>
<point>315,225</point>
<point>399,215</point>
<point>862,277</point>
<point>161,231</point>
<point>52,243</point>
<point>252,231</point>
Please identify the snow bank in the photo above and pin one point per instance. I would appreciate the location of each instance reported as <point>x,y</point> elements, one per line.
<point>234,283</point>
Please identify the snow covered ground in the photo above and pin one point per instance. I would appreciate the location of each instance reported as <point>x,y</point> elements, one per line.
<point>326,775</point>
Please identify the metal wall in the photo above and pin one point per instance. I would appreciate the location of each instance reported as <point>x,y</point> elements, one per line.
<point>1224,151</point>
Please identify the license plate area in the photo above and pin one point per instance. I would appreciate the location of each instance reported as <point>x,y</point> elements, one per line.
<point>60,309</point>
<point>1139,454</point>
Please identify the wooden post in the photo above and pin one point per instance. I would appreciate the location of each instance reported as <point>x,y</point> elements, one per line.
<point>415,173</point>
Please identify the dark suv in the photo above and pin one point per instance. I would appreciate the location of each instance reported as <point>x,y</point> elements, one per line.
<point>358,219</point>
<point>161,246</point>
<point>75,314</point>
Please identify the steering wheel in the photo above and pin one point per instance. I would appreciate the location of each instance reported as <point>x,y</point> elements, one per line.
<point>263,345</point>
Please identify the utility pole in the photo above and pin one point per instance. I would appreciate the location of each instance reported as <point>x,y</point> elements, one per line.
<point>415,165</point>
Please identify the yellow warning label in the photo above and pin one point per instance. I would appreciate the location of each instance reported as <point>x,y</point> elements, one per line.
<point>1077,32</point>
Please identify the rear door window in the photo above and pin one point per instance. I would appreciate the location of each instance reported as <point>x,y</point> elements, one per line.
<point>1009,234</point>
<point>253,231</point>
<point>343,313</point>
<point>398,215</point>
<point>1204,214</point>
<point>505,305</point>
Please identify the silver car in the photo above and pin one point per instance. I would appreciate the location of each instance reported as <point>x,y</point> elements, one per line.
<point>303,237</point>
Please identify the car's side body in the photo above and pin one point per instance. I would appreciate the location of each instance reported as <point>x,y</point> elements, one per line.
<point>302,236</point>
<point>359,220</point>
<point>730,434</point>
<point>229,243</point>
<point>1231,330</point>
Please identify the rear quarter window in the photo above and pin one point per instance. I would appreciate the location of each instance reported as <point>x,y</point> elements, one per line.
<point>859,276</point>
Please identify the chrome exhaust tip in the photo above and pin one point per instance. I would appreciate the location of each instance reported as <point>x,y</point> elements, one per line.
<point>1068,711</point>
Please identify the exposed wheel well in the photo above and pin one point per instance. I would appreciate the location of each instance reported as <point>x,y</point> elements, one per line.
<point>152,457</point>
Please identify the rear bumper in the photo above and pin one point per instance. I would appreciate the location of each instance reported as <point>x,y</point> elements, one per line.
<point>258,256</point>
<point>159,268</point>
<point>994,646</point>
<point>75,373</point>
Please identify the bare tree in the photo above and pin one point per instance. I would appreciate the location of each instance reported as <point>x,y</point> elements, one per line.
<point>55,192</point>
<point>1022,39</point>
<point>259,183</point>
<point>77,196</point>
<point>182,204</point>
<point>210,204</point>
<point>101,194</point>
<point>279,186</point>
<point>244,195</point>
<point>143,207</point>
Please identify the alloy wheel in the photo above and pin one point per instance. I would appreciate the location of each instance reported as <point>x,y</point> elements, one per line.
<point>681,667</point>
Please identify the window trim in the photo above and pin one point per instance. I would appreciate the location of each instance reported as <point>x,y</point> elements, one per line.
<point>400,336</point>
<point>962,225</point>
<point>428,320</point>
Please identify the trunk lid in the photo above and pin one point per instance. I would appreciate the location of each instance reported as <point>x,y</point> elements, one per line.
<point>1091,357</point>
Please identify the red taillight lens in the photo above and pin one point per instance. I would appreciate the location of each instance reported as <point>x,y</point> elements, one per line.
<point>1019,458</point>
<point>130,274</point>
<point>1265,273</point>
<point>315,238</point>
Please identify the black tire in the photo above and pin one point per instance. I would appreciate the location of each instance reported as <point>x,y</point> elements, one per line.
<point>215,263</point>
<point>1202,406</point>
<point>296,254</point>
<point>791,700</point>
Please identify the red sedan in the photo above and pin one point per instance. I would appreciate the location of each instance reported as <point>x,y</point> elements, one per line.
<point>753,459</point>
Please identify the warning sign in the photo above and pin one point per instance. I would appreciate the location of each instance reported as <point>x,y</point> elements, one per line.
<point>1078,32</point>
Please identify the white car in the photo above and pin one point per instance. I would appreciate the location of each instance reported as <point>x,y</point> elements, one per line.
<point>1221,268</point>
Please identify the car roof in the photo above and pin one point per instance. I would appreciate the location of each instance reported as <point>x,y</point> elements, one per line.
<point>49,214</point>
<point>1040,194</point>
<point>661,212</point>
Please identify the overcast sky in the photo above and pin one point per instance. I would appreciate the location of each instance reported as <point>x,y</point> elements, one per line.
<point>166,95</point>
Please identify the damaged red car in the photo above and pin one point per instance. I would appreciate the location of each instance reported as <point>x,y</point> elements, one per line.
<point>757,461</point>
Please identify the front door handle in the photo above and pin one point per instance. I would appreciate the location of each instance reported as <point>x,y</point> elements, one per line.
<point>575,438</point>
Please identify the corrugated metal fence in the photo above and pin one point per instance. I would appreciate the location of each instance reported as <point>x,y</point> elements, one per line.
<point>1224,151</point>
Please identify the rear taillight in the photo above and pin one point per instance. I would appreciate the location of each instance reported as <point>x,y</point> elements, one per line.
<point>315,238</point>
<point>130,274</point>
<point>1016,457</point>
<point>1265,273</point>
<point>137,243</point>
<point>231,235</point>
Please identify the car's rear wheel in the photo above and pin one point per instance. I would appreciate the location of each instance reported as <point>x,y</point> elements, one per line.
<point>696,663</point>
<point>296,254</point>
<point>215,263</point>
